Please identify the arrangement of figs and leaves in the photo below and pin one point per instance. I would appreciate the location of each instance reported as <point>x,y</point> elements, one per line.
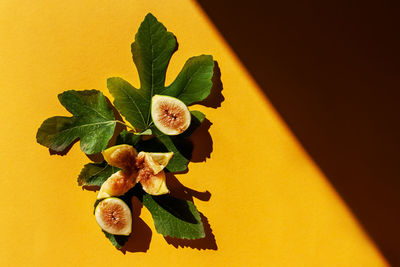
<point>158,119</point>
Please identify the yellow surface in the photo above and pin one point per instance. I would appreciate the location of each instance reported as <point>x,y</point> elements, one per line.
<point>270,205</point>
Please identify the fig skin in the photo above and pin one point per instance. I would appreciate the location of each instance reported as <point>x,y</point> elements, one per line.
<point>114,216</point>
<point>170,115</point>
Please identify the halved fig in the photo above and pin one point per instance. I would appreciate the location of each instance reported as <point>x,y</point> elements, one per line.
<point>114,216</point>
<point>117,184</point>
<point>121,156</point>
<point>150,172</point>
<point>170,115</point>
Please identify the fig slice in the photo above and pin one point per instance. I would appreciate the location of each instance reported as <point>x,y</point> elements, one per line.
<point>170,115</point>
<point>155,185</point>
<point>117,184</point>
<point>150,172</point>
<point>114,216</point>
<point>121,156</point>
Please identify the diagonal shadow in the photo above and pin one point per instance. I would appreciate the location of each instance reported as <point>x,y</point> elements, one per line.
<point>331,69</point>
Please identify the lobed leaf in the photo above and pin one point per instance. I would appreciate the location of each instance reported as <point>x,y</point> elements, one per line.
<point>93,123</point>
<point>193,83</point>
<point>151,53</point>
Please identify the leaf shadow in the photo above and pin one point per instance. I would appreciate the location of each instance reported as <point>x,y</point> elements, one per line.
<point>202,142</point>
<point>177,189</point>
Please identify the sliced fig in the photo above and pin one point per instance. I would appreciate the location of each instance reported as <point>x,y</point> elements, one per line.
<point>155,184</point>
<point>117,184</point>
<point>170,115</point>
<point>114,216</point>
<point>150,172</point>
<point>121,156</point>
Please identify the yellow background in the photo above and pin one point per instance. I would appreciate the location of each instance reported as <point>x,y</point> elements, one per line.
<point>270,205</point>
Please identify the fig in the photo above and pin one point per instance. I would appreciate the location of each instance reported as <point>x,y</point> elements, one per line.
<point>150,172</point>
<point>170,115</point>
<point>145,167</point>
<point>121,156</point>
<point>117,184</point>
<point>114,216</point>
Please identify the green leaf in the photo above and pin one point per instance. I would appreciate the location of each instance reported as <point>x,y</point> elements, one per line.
<point>95,174</point>
<point>145,132</point>
<point>174,217</point>
<point>133,106</point>
<point>193,83</point>
<point>198,116</point>
<point>93,123</point>
<point>178,162</point>
<point>128,138</point>
<point>151,52</point>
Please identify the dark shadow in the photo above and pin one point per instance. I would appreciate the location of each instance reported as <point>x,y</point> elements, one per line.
<point>208,242</point>
<point>177,189</point>
<point>92,188</point>
<point>202,142</point>
<point>139,240</point>
<point>215,98</point>
<point>331,69</point>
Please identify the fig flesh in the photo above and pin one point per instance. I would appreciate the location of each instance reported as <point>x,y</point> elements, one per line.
<point>117,184</point>
<point>114,216</point>
<point>145,167</point>
<point>150,172</point>
<point>121,156</point>
<point>170,115</point>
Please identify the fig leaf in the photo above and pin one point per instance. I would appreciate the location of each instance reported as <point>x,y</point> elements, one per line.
<point>193,83</point>
<point>179,161</point>
<point>151,52</point>
<point>95,174</point>
<point>93,123</point>
<point>174,217</point>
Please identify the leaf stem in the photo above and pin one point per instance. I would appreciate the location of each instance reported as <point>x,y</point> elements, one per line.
<point>123,123</point>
